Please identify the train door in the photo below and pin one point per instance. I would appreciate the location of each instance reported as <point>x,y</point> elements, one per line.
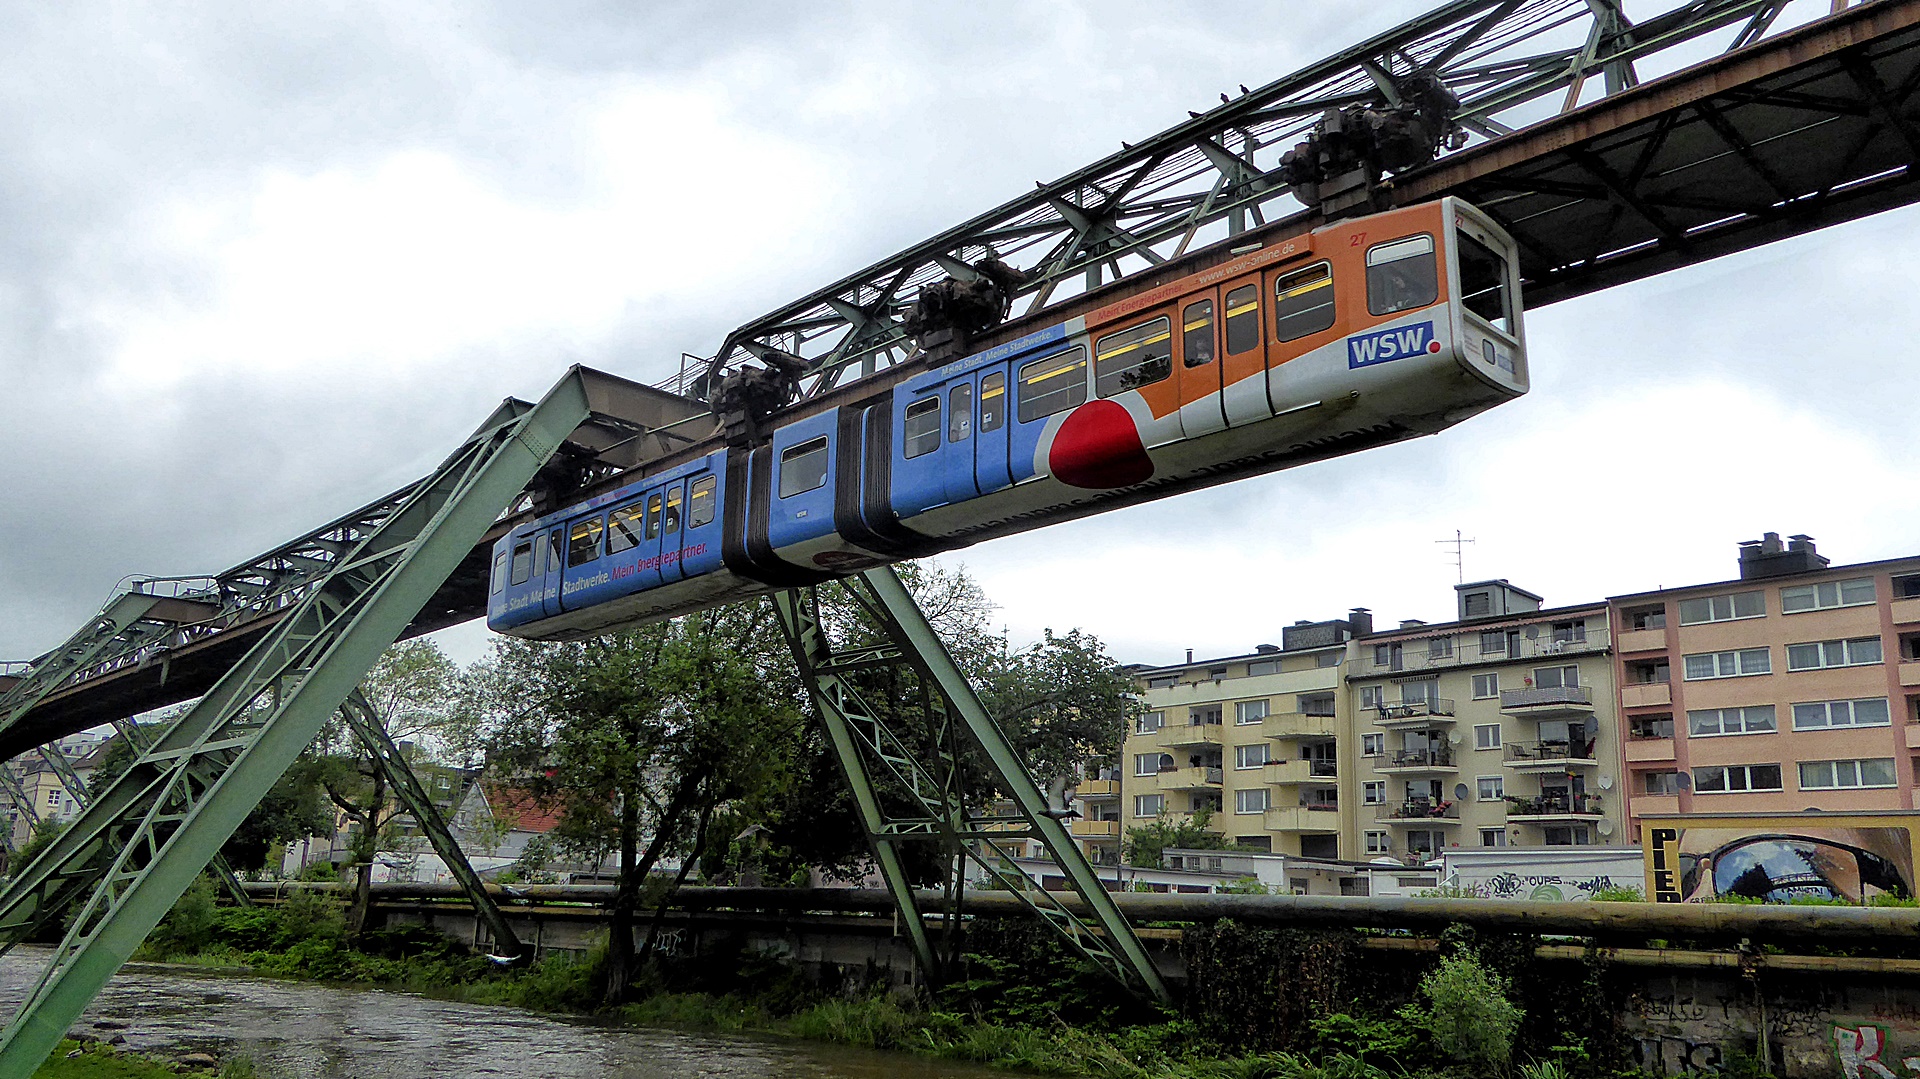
<point>554,544</point>
<point>628,546</point>
<point>959,466</point>
<point>1243,359</point>
<point>673,513</point>
<point>700,532</point>
<point>990,469</point>
<point>1198,366</point>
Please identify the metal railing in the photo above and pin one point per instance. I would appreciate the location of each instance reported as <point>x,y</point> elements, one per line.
<point>1405,710</point>
<point>1537,695</point>
<point>1437,757</point>
<point>1526,752</point>
<point>1548,805</point>
<point>1418,809</point>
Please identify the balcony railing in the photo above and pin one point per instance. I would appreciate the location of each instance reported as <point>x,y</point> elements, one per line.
<point>1547,752</point>
<point>1552,805</point>
<point>1534,696</point>
<point>1419,809</point>
<point>1437,757</point>
<point>1405,711</point>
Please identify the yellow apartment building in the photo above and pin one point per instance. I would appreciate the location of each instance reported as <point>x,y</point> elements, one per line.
<point>1254,738</point>
<point>1495,730</point>
<point>1794,687</point>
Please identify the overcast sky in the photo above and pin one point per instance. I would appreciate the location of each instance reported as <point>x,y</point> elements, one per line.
<point>261,263</point>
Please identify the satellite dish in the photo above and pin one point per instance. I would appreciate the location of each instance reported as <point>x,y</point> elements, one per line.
<point>1606,783</point>
<point>1453,738</point>
<point>1460,792</point>
<point>1532,632</point>
<point>1605,828</point>
<point>1683,780</point>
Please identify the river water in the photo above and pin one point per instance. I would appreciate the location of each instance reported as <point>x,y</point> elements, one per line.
<point>296,1030</point>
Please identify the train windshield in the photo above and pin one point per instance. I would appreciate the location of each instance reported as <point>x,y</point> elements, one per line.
<point>1402,275</point>
<point>1483,284</point>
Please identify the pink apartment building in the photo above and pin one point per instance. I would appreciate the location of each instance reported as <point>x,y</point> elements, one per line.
<point>1794,687</point>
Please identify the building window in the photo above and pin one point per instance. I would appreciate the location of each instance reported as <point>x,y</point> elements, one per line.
<point>1373,745</point>
<point>1702,665</point>
<point>1486,736</point>
<point>1373,792</point>
<point>1422,692</point>
<point>1439,647</point>
<point>1327,659</point>
<point>1650,726</point>
<point>1709,722</point>
<point>1148,722</point>
<point>1151,764</point>
<point>1819,597</point>
<point>1734,778</point>
<point>1493,644</point>
<point>1216,673</point>
<point>1251,801</point>
<point>1379,843</point>
<point>1569,632</point>
<point>1660,782</point>
<point>1556,677</point>
<point>1163,681</point>
<point>1906,586</point>
<point>1723,608</point>
<point>1493,837</point>
<point>1491,788</point>
<point>1819,715</point>
<point>1648,671</point>
<point>1203,715</point>
<point>1252,756</point>
<point>1420,841</point>
<point>1371,696</point>
<point>1486,686</point>
<point>1846,775</point>
<point>1148,805</point>
<point>1261,667</point>
<point>1854,652</point>
<point>1314,704</point>
<point>1566,837</point>
<point>1245,712</point>
<point>1646,617</point>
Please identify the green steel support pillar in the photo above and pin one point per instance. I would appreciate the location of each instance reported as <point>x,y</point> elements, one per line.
<point>925,766</point>
<point>142,841</point>
<point>413,795</point>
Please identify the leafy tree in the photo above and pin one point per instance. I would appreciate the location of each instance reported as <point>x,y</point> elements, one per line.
<point>1144,842</point>
<point>1064,703</point>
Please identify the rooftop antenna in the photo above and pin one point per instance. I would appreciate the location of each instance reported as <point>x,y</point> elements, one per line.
<point>1459,545</point>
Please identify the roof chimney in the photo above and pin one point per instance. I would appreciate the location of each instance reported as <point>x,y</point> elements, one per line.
<point>1189,655</point>
<point>1263,649</point>
<point>1768,557</point>
<point>1360,621</point>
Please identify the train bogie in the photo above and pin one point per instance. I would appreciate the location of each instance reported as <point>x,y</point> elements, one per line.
<point>1361,333</point>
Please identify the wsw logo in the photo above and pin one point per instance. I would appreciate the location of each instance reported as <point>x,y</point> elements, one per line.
<point>1398,343</point>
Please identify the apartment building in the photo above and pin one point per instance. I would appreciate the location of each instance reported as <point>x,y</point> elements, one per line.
<point>1794,687</point>
<point>1495,730</point>
<point>1254,738</point>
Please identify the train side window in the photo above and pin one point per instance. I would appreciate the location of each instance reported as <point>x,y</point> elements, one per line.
<point>623,528</point>
<point>670,518</point>
<point>499,572</point>
<point>583,542</point>
<point>1243,319</point>
<point>923,427</point>
<point>653,517</point>
<point>804,467</point>
<point>522,562</point>
<point>1196,334</point>
<point>1483,283</point>
<point>1137,356</point>
<point>993,401</point>
<point>960,412</point>
<point>1402,275</point>
<point>1054,384</point>
<point>1302,303</point>
<point>702,502</point>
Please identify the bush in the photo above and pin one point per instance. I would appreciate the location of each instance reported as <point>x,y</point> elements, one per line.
<point>1619,893</point>
<point>1467,1012</point>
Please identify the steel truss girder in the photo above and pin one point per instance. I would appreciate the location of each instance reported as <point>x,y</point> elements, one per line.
<point>365,723</point>
<point>136,848</point>
<point>868,742</point>
<point>1512,63</point>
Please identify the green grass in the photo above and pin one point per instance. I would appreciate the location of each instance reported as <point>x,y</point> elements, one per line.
<point>105,1062</point>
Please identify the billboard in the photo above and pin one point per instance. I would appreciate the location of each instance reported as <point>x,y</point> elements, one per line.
<point>1779,857</point>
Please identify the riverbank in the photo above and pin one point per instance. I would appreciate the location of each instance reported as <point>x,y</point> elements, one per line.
<point>74,1060</point>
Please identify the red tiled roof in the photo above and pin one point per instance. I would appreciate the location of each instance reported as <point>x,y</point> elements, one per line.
<point>520,809</point>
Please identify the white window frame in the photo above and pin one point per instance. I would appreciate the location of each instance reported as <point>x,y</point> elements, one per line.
<point>1372,696</point>
<point>1745,772</point>
<point>1750,719</point>
<point>1729,664</point>
<point>1141,801</point>
<point>1497,835</point>
<point>1848,775</point>
<point>1439,647</point>
<point>1240,763</point>
<point>1247,713</point>
<point>1816,601</point>
<point>1260,668</point>
<point>1491,681</point>
<point>1490,788</point>
<point>1828,710</point>
<point>1150,722</point>
<point>1562,671</point>
<point>1672,783</point>
<point>1846,647</point>
<point>1379,842</point>
<point>1479,739</point>
<point>1251,800</point>
<point>1732,609</point>
<point>1373,745</point>
<point>1373,792</point>
<point>1140,768</point>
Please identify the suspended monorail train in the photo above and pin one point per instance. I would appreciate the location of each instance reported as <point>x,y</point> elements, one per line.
<point>1360,333</point>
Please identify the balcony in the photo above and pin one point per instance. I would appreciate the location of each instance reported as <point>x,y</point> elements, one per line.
<point>1413,714</point>
<point>1096,790</point>
<point>1189,779</point>
<point>1553,809</point>
<point>1906,610</point>
<point>1549,756</point>
<point>1642,640</point>
<point>1095,829</point>
<point>1416,656</point>
<point>1320,818</point>
<point>1651,749</point>
<point>1418,811</point>
<point>1415,761</point>
<point>1650,804</point>
<point>1547,702</point>
<point>1298,725</point>
<point>1188,734</point>
<point>1281,773</point>
<point>1645,694</point>
<point>1910,672</point>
